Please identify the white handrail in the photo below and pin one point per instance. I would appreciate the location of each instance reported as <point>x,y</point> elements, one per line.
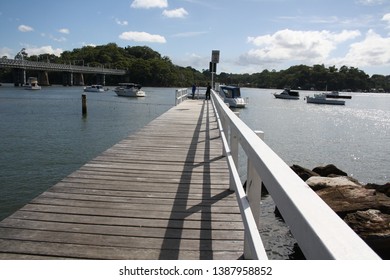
<point>254,248</point>
<point>180,95</point>
<point>320,233</point>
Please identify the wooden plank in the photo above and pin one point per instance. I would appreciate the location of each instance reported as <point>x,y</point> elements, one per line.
<point>161,193</point>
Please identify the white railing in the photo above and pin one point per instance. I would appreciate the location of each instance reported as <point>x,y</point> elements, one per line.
<point>320,233</point>
<point>181,95</point>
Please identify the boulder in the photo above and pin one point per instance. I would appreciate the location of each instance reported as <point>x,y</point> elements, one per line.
<point>373,227</point>
<point>329,169</point>
<point>302,172</point>
<point>345,196</point>
<point>366,209</point>
<point>318,182</point>
<point>380,188</point>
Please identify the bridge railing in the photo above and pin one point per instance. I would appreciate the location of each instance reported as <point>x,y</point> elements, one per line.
<point>320,233</point>
<point>46,66</point>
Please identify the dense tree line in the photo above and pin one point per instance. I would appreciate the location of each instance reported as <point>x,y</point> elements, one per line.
<point>317,77</point>
<point>149,68</point>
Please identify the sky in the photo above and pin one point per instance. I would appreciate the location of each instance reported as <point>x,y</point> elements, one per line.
<point>251,35</point>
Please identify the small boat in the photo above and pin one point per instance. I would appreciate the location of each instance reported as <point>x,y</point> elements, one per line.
<point>232,96</point>
<point>320,98</point>
<point>287,93</point>
<point>32,84</point>
<point>336,94</point>
<point>129,90</point>
<point>94,88</point>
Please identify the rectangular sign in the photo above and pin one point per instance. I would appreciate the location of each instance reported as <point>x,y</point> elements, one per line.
<point>215,56</point>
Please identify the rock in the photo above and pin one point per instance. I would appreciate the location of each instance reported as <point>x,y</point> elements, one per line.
<point>302,172</point>
<point>345,196</point>
<point>373,227</point>
<point>329,169</point>
<point>366,209</point>
<point>380,188</point>
<point>318,183</point>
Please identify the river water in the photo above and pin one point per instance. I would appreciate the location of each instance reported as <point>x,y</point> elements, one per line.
<point>44,138</point>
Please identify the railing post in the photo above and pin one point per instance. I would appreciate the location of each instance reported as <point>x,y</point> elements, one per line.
<point>234,152</point>
<point>176,97</point>
<point>253,192</point>
<point>224,130</point>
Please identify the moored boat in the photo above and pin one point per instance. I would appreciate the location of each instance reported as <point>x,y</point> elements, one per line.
<point>287,93</point>
<point>336,94</point>
<point>32,84</point>
<point>320,98</point>
<point>129,90</point>
<point>232,96</point>
<point>94,88</point>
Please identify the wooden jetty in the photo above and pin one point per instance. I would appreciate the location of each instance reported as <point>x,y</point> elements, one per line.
<point>161,193</point>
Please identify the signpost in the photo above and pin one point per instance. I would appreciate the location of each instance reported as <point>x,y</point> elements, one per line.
<point>213,65</point>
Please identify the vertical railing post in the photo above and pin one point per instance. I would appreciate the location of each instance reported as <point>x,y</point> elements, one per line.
<point>176,96</point>
<point>253,192</point>
<point>234,153</point>
<point>222,118</point>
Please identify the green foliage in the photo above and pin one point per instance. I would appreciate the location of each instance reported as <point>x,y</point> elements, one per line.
<point>149,68</point>
<point>316,77</point>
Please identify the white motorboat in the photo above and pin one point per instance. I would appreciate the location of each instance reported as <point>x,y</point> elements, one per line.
<point>320,98</point>
<point>232,96</point>
<point>129,90</point>
<point>336,94</point>
<point>287,93</point>
<point>32,84</point>
<point>94,88</point>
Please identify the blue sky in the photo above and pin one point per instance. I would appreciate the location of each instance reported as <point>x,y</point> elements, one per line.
<point>252,35</point>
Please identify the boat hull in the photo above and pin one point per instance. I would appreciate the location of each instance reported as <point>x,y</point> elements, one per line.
<point>338,96</point>
<point>94,88</point>
<point>235,102</point>
<point>324,101</point>
<point>286,96</point>
<point>32,87</point>
<point>130,93</point>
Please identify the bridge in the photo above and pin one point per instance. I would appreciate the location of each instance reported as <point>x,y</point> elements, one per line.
<point>21,65</point>
<point>172,191</point>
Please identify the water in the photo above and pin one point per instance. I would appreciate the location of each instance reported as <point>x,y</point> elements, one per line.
<point>44,138</point>
<point>354,137</point>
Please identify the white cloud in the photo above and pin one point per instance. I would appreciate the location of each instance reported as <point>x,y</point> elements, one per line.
<point>64,30</point>
<point>6,52</point>
<point>372,51</point>
<point>142,37</point>
<point>177,13</point>
<point>147,4</point>
<point>43,50</point>
<point>25,28</point>
<point>386,18</point>
<point>371,2</point>
<point>289,45</point>
<point>60,39</point>
<point>192,59</point>
<point>189,34</point>
<point>123,22</point>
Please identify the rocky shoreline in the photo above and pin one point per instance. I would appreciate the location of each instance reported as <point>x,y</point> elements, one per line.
<point>365,208</point>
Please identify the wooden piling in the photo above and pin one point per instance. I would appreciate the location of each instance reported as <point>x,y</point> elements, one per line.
<point>84,104</point>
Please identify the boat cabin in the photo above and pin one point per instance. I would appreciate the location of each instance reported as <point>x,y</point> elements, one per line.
<point>230,91</point>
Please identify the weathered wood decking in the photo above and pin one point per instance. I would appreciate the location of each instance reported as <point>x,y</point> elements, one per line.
<point>161,193</point>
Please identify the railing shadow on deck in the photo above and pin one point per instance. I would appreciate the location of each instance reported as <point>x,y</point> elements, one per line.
<point>320,233</point>
<point>170,248</point>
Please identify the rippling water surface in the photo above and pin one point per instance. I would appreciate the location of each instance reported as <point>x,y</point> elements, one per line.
<point>44,138</point>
